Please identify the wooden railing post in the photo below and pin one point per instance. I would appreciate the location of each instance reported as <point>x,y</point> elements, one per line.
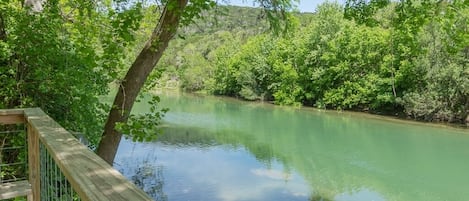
<point>33,162</point>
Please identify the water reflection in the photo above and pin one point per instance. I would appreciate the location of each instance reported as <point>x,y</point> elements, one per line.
<point>214,149</point>
<point>210,173</point>
<point>144,173</point>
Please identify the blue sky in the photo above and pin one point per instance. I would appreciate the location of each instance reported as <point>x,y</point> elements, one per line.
<point>304,6</point>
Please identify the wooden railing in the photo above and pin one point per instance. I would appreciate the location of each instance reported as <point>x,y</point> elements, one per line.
<point>60,166</point>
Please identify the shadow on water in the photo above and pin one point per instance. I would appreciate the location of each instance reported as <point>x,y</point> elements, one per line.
<point>147,176</point>
<point>316,197</point>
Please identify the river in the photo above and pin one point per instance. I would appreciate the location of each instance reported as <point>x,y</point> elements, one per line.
<point>220,149</point>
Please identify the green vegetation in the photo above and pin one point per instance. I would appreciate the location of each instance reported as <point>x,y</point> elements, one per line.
<point>48,61</point>
<point>402,58</point>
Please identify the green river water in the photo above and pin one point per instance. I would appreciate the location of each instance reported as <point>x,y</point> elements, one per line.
<point>223,149</point>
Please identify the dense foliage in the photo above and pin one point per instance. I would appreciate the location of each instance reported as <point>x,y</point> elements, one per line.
<point>46,61</point>
<point>409,58</point>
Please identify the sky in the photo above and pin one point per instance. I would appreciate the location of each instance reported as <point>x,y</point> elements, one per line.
<point>304,6</point>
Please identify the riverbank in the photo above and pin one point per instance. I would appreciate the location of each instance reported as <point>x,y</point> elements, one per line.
<point>363,114</point>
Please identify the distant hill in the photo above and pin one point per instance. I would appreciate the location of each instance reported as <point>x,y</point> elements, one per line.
<point>195,43</point>
<point>229,18</point>
<point>235,19</point>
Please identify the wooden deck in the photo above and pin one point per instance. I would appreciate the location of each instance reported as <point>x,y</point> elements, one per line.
<point>90,176</point>
<point>15,189</point>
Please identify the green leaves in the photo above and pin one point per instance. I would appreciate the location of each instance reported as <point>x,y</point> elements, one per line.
<point>63,59</point>
<point>124,22</point>
<point>363,11</point>
<point>144,127</point>
<point>440,69</point>
<point>278,13</point>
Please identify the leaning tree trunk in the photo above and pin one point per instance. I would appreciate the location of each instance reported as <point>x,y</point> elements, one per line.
<point>3,33</point>
<point>137,75</point>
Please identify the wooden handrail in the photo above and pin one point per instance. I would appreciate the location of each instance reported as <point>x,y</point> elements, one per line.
<point>90,176</point>
<point>12,116</point>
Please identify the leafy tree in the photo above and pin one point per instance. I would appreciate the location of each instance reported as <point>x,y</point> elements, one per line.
<point>48,61</point>
<point>224,77</point>
<point>174,13</point>
<point>363,11</point>
<point>285,60</point>
<point>443,96</point>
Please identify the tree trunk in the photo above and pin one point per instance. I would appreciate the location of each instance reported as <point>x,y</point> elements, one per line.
<point>3,33</point>
<point>137,75</point>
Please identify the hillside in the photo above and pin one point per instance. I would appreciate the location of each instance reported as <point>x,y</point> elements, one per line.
<point>195,44</point>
